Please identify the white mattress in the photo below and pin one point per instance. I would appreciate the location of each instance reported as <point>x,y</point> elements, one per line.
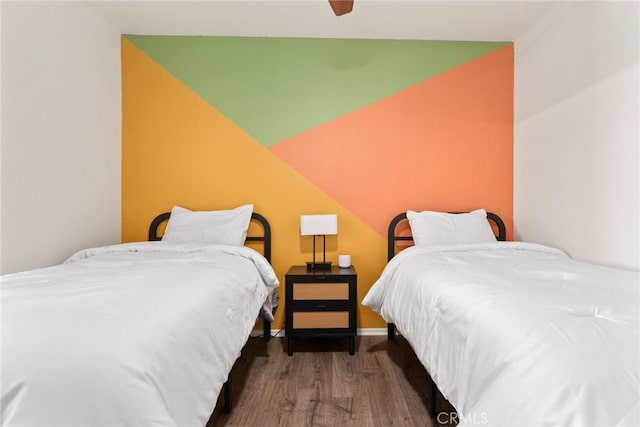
<point>517,334</point>
<point>127,335</point>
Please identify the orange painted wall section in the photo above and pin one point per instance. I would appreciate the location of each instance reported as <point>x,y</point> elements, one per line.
<point>445,144</point>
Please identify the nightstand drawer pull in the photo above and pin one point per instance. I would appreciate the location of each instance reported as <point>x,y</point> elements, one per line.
<point>316,291</point>
<point>321,319</point>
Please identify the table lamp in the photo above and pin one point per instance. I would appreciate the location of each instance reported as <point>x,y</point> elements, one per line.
<point>319,225</point>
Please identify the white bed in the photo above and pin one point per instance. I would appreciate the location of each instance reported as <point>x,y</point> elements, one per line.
<point>133,334</point>
<point>517,334</point>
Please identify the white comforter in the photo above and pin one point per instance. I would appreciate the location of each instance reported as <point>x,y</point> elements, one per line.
<point>127,335</point>
<point>517,334</point>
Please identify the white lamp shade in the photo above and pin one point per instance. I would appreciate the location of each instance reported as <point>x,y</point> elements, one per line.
<point>314,225</point>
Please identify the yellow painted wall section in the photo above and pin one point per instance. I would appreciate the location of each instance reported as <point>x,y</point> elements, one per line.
<point>179,150</point>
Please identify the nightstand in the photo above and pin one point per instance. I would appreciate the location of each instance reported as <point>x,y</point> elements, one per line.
<point>320,303</point>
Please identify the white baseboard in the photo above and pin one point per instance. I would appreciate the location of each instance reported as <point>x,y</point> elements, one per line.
<point>372,331</point>
<point>274,333</point>
<point>363,332</point>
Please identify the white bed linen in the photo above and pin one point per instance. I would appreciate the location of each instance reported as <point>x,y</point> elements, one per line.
<point>517,334</point>
<point>127,335</point>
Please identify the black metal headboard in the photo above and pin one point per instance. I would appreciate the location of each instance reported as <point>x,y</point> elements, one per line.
<point>392,238</point>
<point>265,238</point>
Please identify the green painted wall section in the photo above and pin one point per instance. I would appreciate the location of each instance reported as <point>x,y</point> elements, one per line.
<point>275,88</point>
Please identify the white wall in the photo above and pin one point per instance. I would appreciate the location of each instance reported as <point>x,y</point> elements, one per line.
<point>577,138</point>
<point>61,133</point>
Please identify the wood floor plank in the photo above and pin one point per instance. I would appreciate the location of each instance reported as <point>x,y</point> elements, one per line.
<point>389,407</point>
<point>415,390</point>
<point>383,384</point>
<point>345,368</point>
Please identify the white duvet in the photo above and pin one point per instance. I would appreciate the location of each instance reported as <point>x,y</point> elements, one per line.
<point>518,334</point>
<point>127,335</point>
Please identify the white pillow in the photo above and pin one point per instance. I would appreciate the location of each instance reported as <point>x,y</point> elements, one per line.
<point>439,228</point>
<point>226,227</point>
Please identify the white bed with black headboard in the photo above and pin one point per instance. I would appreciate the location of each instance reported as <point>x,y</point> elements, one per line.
<point>134,334</point>
<point>513,333</point>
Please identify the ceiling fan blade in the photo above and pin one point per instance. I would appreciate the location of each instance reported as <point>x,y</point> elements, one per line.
<point>341,7</point>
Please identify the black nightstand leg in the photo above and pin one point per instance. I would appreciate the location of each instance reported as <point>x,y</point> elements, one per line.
<point>290,346</point>
<point>352,345</point>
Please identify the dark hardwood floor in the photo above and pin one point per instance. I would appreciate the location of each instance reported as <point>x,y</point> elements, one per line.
<point>383,384</point>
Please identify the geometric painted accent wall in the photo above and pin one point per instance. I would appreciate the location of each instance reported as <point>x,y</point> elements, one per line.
<point>362,128</point>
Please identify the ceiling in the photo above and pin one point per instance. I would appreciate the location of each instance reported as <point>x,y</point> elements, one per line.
<point>380,19</point>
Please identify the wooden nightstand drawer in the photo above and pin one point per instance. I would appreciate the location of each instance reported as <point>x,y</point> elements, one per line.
<point>320,319</point>
<point>320,291</point>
